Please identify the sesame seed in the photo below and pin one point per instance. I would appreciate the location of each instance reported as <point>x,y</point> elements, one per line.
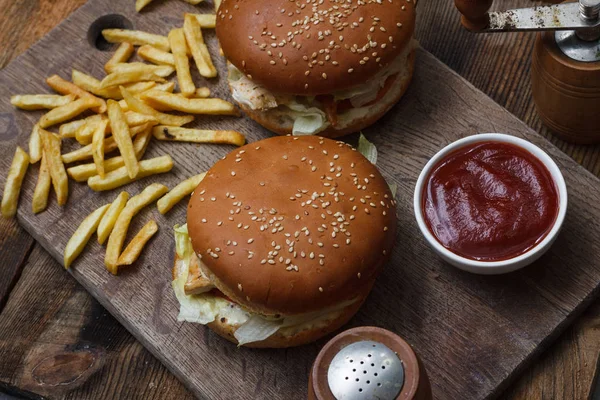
<point>320,289</point>
<point>240,286</point>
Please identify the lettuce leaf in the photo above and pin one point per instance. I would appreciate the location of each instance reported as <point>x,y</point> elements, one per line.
<point>256,329</point>
<point>367,149</point>
<point>183,245</point>
<point>393,188</point>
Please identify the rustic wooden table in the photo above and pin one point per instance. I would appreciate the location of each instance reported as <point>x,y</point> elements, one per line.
<point>44,311</point>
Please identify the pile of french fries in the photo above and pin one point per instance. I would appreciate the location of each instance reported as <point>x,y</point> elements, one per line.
<point>124,111</point>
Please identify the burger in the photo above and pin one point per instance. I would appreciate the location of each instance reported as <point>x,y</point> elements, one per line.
<point>283,242</point>
<point>326,67</point>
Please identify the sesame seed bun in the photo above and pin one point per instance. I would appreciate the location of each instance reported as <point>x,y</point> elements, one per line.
<point>313,48</point>
<point>290,225</point>
<point>276,121</point>
<point>291,336</point>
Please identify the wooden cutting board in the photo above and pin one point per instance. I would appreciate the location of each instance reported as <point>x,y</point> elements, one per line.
<point>474,333</point>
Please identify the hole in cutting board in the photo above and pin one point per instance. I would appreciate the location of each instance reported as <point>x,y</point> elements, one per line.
<point>110,21</point>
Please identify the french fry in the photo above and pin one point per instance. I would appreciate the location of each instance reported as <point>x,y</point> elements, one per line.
<point>110,217</point>
<point>202,92</point>
<point>82,172</point>
<point>182,63</point>
<point>40,101</point>
<point>136,38</point>
<point>42,188</point>
<point>206,20</point>
<point>139,4</point>
<point>141,142</point>
<point>193,106</point>
<point>163,87</point>
<point>119,176</point>
<point>92,85</point>
<point>121,55</point>
<point>82,235</point>
<point>51,144</point>
<point>195,41</point>
<point>217,4</point>
<point>165,203</point>
<point>85,152</point>
<point>66,112</point>
<point>156,56</point>
<point>35,145</point>
<point>85,133</point>
<point>134,75</point>
<point>176,134</point>
<point>161,70</point>
<point>141,107</point>
<point>12,188</point>
<point>135,247</point>
<point>65,87</point>
<point>89,83</point>
<point>134,206</point>
<point>98,147</point>
<point>122,136</point>
<point>135,119</point>
<point>69,129</point>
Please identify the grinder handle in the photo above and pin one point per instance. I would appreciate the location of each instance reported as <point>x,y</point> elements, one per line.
<point>474,13</point>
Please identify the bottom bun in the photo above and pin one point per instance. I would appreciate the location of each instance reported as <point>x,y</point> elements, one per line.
<point>289,336</point>
<point>283,126</point>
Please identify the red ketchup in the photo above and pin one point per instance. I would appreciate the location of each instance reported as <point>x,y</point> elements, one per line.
<point>490,201</point>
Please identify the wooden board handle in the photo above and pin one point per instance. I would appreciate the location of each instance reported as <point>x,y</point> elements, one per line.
<point>474,13</point>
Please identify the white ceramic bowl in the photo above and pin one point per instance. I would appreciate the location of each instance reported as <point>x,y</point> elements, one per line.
<point>492,267</point>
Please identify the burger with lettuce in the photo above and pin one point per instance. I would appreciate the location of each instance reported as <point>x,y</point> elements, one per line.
<point>283,242</point>
<point>327,67</point>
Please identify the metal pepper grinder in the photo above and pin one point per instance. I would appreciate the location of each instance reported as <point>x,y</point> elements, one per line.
<point>368,363</point>
<point>565,73</point>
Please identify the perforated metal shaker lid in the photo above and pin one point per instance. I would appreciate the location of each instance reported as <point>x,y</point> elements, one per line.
<point>368,363</point>
<point>366,370</point>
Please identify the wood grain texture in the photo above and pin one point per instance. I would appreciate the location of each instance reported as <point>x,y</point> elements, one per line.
<point>69,346</point>
<point>549,376</point>
<point>15,245</point>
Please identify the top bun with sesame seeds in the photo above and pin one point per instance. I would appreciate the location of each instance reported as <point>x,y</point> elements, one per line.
<point>313,47</point>
<point>292,225</point>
